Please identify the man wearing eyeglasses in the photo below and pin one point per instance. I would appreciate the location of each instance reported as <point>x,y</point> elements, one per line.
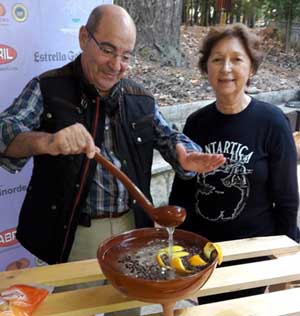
<point>62,118</point>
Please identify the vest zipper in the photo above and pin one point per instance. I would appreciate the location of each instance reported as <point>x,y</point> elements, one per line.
<point>83,178</point>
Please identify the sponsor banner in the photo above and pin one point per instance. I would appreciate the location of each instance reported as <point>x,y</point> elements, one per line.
<point>7,54</point>
<point>8,238</point>
<point>16,258</point>
<point>4,20</point>
<point>19,12</point>
<point>12,191</point>
<point>33,39</point>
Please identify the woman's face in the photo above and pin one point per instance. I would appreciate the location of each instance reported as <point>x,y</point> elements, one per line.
<point>228,67</point>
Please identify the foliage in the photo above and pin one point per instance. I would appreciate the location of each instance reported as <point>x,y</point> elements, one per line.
<point>246,11</point>
<point>277,10</point>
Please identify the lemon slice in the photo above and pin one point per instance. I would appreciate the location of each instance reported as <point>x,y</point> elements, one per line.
<point>179,254</point>
<point>196,261</point>
<point>160,260</point>
<point>175,248</point>
<point>210,247</point>
<point>177,264</point>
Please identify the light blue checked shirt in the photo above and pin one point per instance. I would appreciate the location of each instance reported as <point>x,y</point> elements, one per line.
<point>107,194</point>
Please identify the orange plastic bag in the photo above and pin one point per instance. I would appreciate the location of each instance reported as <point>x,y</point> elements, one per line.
<point>21,299</point>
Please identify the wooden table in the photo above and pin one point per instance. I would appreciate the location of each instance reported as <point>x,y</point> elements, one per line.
<point>284,267</point>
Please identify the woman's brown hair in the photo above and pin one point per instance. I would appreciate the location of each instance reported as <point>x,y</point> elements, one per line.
<point>250,41</point>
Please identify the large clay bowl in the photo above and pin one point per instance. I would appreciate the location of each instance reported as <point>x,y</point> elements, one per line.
<point>154,291</point>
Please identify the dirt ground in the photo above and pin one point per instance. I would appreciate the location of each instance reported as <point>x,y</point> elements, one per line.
<point>173,85</point>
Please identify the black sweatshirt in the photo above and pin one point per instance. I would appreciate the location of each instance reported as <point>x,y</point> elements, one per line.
<point>255,193</point>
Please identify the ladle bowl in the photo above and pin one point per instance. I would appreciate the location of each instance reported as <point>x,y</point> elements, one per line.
<point>165,292</point>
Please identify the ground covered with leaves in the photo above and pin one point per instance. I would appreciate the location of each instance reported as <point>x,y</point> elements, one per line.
<point>173,85</point>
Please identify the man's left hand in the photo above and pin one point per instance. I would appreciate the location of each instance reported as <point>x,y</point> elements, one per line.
<point>198,162</point>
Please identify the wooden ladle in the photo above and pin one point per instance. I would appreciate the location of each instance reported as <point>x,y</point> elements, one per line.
<point>167,216</point>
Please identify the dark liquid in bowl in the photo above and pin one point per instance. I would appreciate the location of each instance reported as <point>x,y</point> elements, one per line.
<point>141,262</point>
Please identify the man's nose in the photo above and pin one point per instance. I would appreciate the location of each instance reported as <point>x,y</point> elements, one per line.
<point>116,63</point>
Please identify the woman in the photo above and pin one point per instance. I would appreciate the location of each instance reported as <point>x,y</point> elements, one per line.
<point>255,193</point>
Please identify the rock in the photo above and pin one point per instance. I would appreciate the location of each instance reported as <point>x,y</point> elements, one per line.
<point>252,90</point>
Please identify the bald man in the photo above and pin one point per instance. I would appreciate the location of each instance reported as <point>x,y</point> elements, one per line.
<point>62,118</point>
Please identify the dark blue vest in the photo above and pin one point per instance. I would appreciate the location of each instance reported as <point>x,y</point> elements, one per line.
<point>59,184</point>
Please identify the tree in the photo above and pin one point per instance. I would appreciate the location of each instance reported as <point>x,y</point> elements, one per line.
<point>205,7</point>
<point>158,28</point>
<point>283,13</point>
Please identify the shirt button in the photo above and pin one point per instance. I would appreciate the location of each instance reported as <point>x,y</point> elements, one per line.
<point>93,101</point>
<point>133,201</point>
<point>120,199</point>
<point>139,140</point>
<point>53,207</point>
<point>124,162</point>
<point>106,127</point>
<point>49,115</point>
<point>111,152</point>
<point>77,186</point>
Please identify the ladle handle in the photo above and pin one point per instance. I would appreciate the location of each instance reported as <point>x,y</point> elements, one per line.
<point>134,191</point>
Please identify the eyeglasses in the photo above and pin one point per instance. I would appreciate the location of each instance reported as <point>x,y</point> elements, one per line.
<point>109,51</point>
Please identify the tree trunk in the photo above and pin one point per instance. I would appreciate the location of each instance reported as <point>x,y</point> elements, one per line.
<point>196,12</point>
<point>158,28</point>
<point>184,16</point>
<point>204,8</point>
<point>288,27</point>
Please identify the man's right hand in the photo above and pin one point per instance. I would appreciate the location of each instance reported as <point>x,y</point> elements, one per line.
<point>74,139</point>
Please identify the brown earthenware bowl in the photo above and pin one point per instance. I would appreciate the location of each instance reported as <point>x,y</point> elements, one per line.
<point>163,292</point>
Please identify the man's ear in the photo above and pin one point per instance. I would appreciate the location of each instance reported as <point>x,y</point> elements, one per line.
<point>83,37</point>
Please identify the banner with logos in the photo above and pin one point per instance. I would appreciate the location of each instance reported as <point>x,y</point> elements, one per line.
<point>34,36</point>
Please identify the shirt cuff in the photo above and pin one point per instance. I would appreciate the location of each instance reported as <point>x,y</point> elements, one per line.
<point>13,165</point>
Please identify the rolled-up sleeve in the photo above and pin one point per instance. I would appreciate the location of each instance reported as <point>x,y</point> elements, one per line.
<point>166,139</point>
<point>22,116</point>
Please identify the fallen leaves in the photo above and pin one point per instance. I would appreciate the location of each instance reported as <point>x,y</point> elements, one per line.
<point>173,85</point>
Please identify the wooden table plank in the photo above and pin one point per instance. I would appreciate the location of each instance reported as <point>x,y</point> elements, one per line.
<point>86,302</point>
<point>88,270</point>
<point>260,246</point>
<point>279,303</point>
<point>256,274</point>
<point>103,299</point>
<point>60,274</point>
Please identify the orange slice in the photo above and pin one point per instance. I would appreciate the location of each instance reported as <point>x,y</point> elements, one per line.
<point>177,264</point>
<point>196,261</point>
<point>210,247</point>
<point>177,252</point>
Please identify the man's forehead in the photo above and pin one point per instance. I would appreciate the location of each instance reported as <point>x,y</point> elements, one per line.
<point>117,32</point>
